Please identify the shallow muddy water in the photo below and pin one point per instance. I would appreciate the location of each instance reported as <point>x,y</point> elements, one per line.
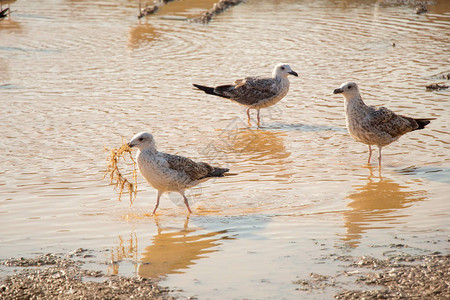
<point>76,76</point>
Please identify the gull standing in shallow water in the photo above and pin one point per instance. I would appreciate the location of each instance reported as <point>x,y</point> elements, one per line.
<point>255,92</point>
<point>371,125</point>
<point>167,172</point>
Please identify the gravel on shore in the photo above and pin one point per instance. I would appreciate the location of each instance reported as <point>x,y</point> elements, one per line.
<point>52,276</point>
<point>398,277</point>
<point>404,277</point>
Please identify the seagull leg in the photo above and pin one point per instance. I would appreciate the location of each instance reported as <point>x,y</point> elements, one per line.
<point>379,157</point>
<point>248,117</point>
<point>157,202</point>
<point>370,154</point>
<point>257,116</point>
<point>186,202</point>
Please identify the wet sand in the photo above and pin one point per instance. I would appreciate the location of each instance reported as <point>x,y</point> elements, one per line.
<point>53,276</point>
<point>402,277</point>
<point>398,277</point>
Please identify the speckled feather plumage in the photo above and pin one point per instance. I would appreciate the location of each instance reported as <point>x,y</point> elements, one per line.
<point>372,125</point>
<point>256,92</point>
<point>376,125</point>
<point>194,170</point>
<point>168,172</point>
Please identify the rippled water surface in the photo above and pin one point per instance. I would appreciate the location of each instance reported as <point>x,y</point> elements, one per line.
<point>76,76</point>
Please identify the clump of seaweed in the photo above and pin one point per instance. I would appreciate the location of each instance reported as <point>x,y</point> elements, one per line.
<point>117,177</point>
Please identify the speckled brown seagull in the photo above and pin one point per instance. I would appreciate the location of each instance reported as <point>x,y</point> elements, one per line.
<point>255,92</point>
<point>167,172</point>
<point>371,125</point>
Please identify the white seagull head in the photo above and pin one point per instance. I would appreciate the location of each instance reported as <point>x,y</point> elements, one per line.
<point>142,141</point>
<point>283,70</point>
<point>349,90</point>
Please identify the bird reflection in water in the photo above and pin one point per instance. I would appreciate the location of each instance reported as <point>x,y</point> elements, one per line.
<point>145,33</point>
<point>173,251</point>
<point>127,248</point>
<point>258,144</point>
<point>5,12</point>
<point>259,151</point>
<point>8,24</point>
<point>375,205</point>
<point>170,252</point>
<point>142,34</point>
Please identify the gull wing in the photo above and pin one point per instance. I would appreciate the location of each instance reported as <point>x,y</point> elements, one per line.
<point>192,169</point>
<point>385,120</point>
<point>249,90</point>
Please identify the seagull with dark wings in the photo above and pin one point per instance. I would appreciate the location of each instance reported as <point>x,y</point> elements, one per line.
<point>167,172</point>
<point>255,92</point>
<point>374,125</point>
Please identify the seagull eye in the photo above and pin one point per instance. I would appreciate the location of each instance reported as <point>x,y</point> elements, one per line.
<point>141,139</point>
<point>349,87</point>
<point>282,68</point>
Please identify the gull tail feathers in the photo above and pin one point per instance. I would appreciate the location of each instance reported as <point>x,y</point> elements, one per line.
<point>209,90</point>
<point>4,13</point>
<point>223,89</point>
<point>423,122</point>
<point>218,172</point>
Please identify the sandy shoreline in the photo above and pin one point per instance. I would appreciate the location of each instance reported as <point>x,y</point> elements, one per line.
<point>397,277</point>
<point>52,276</point>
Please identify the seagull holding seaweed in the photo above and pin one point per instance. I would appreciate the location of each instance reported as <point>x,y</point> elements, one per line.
<point>255,92</point>
<point>374,126</point>
<point>167,172</point>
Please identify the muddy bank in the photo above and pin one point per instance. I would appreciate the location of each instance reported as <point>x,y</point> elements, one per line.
<point>398,277</point>
<point>410,277</point>
<point>53,276</point>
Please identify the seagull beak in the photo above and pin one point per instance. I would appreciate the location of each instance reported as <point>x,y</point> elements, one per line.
<point>293,73</point>
<point>338,91</point>
<point>130,144</point>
